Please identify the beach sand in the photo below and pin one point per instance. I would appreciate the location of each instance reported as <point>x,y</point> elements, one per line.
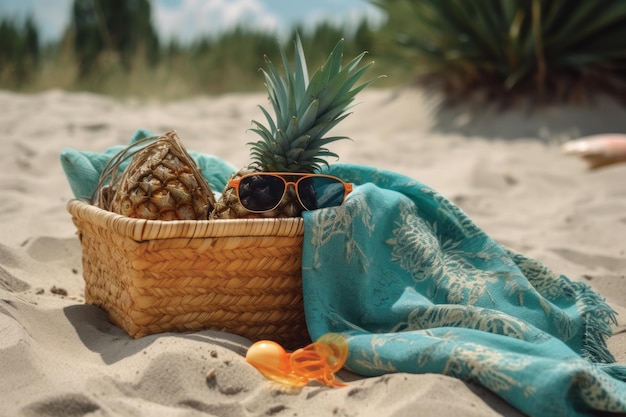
<point>60,357</point>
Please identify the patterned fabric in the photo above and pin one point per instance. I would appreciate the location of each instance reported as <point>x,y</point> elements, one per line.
<point>417,287</point>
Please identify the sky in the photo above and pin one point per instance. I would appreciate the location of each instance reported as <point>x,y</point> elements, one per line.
<point>184,20</point>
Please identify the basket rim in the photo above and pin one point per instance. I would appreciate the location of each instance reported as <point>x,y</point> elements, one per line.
<point>143,229</point>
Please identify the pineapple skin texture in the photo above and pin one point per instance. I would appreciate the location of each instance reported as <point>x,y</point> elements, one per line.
<point>162,182</point>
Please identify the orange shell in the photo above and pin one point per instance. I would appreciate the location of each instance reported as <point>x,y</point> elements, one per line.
<point>319,360</point>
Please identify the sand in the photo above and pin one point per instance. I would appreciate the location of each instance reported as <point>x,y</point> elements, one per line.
<point>60,357</point>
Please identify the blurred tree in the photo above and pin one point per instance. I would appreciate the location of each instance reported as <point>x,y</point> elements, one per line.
<point>231,61</point>
<point>19,51</point>
<point>119,28</point>
<point>9,39</point>
<point>364,39</point>
<point>31,43</point>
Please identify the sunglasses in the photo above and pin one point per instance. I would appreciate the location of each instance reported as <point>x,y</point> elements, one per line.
<point>263,191</point>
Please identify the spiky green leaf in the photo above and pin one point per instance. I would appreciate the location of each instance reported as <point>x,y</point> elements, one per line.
<point>305,109</point>
<point>269,119</point>
<point>308,118</point>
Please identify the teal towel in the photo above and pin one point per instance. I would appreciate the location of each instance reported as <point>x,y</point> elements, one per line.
<point>417,287</point>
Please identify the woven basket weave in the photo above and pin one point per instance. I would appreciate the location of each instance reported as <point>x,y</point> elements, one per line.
<point>239,276</point>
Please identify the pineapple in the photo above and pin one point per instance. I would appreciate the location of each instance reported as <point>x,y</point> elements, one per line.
<point>162,182</point>
<point>305,111</point>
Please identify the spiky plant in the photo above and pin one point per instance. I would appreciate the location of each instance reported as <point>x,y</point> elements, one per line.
<point>161,182</point>
<point>305,111</point>
<point>550,49</point>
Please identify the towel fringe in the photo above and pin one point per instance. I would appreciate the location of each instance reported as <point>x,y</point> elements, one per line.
<point>598,317</point>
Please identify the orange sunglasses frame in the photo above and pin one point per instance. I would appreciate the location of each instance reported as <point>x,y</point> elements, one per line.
<point>347,187</point>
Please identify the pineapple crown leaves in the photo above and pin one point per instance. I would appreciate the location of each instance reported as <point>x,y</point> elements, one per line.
<point>305,109</point>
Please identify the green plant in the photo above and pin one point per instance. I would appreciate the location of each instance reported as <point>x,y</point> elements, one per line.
<point>553,49</point>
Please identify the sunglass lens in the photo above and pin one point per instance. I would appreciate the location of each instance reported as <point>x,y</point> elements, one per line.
<point>320,192</point>
<point>260,192</point>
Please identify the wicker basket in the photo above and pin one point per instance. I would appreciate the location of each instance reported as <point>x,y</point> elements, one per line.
<point>239,276</point>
